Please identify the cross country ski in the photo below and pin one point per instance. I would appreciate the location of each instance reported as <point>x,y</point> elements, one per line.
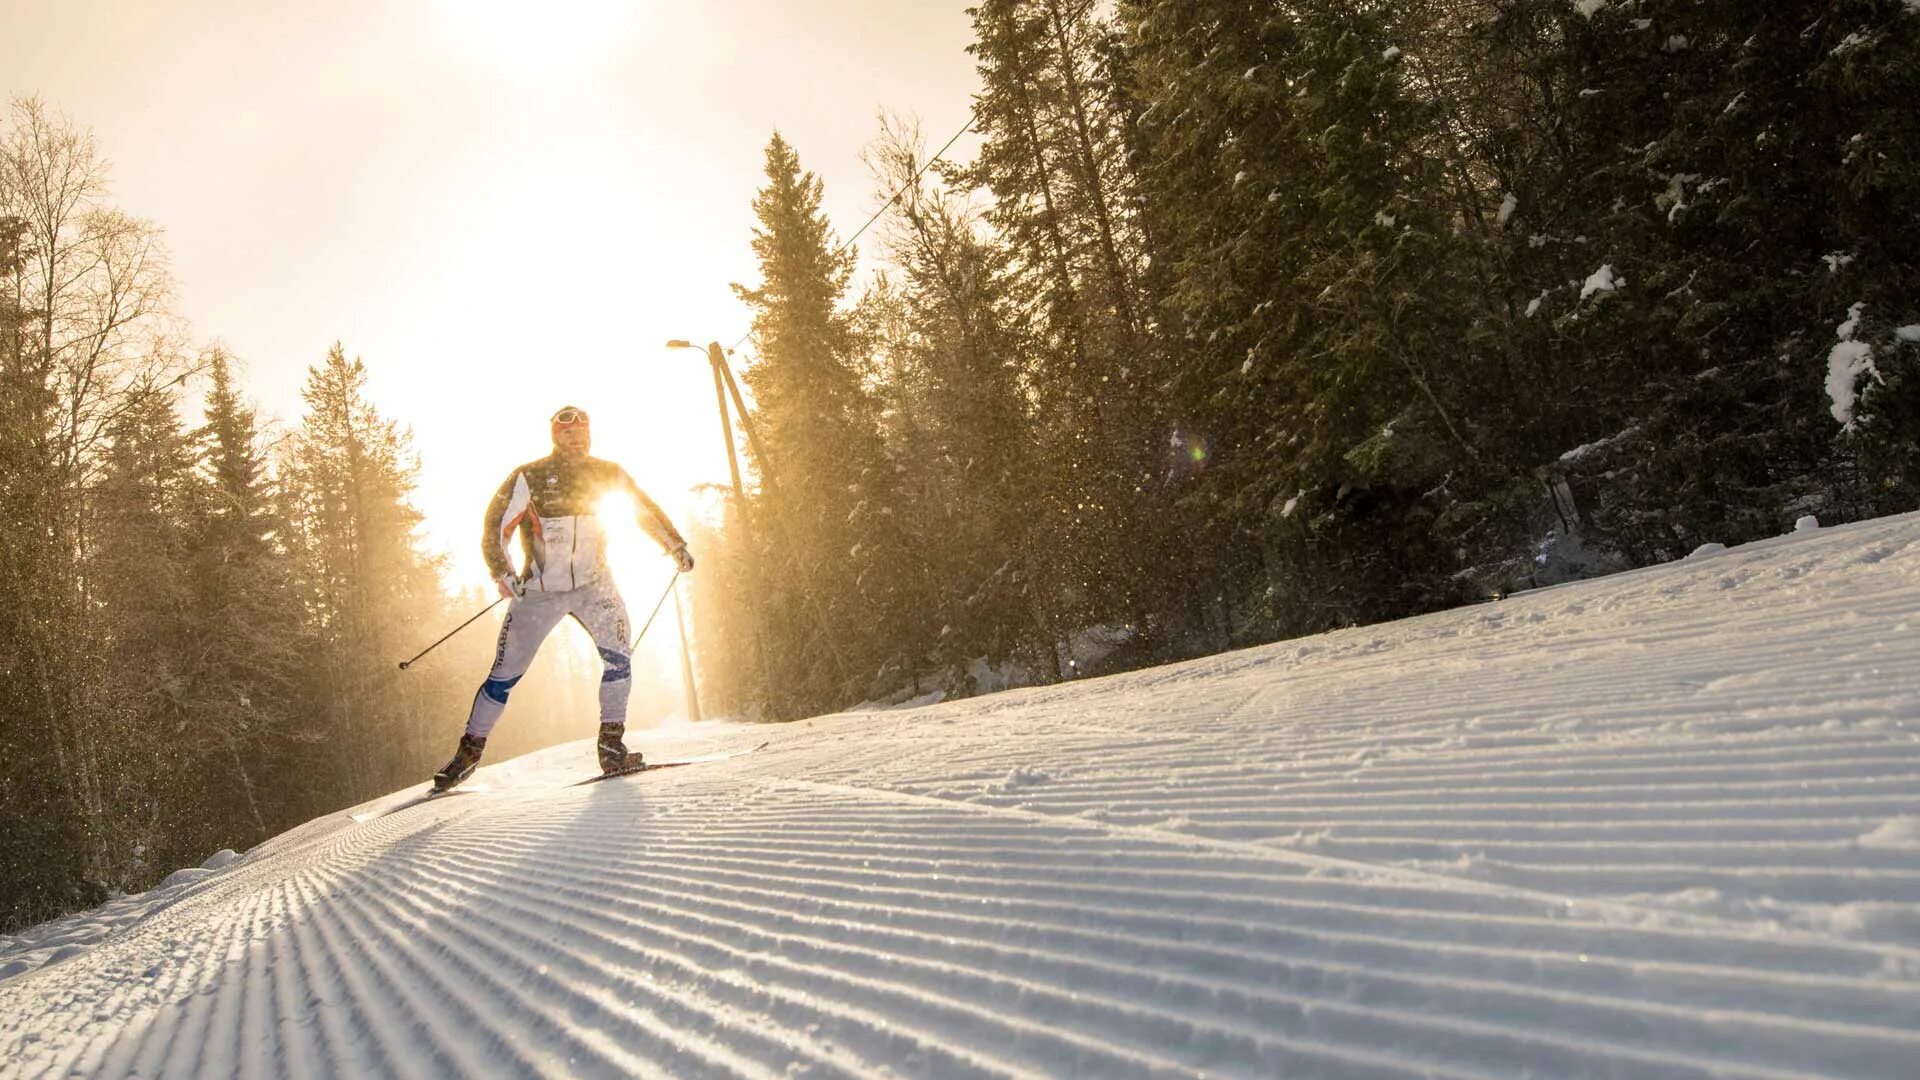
<point>650,766</point>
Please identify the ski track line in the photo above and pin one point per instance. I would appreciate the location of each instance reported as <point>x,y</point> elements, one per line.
<point>891,963</point>
<point>1288,947</point>
<point>736,846</point>
<point>1144,1030</point>
<point>728,957</point>
<point>1628,912</point>
<point>702,933</point>
<point>1205,998</point>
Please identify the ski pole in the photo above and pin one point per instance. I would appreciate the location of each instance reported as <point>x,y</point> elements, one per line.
<point>656,610</point>
<point>405,664</point>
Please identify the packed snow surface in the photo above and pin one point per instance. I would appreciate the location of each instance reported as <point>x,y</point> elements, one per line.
<point>1664,824</point>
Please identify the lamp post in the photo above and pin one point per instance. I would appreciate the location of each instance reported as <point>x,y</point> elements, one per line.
<point>722,383</point>
<point>686,660</point>
<point>724,388</point>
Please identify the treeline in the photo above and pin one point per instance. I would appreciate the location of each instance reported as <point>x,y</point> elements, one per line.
<point>198,622</point>
<point>1255,319</point>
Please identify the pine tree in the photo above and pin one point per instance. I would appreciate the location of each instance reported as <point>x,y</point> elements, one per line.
<point>816,448</point>
<point>251,634</point>
<point>960,435</point>
<point>141,560</point>
<point>1726,183</point>
<point>365,586</point>
<point>1053,157</point>
<point>1324,371</point>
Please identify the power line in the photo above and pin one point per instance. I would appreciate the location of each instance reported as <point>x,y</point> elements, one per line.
<point>973,116</point>
<point>895,197</point>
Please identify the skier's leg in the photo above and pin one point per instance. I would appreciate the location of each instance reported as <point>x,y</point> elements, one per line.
<point>529,620</point>
<point>604,615</point>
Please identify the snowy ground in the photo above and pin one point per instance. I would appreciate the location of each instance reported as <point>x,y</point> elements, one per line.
<point>1665,824</point>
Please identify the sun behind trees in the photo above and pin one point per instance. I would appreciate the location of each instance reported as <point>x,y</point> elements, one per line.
<point>197,624</point>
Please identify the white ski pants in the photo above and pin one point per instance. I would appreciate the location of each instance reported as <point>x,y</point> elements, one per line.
<point>530,619</point>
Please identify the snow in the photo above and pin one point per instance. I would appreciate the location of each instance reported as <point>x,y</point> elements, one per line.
<point>1580,453</point>
<point>1909,333</point>
<point>1805,523</point>
<point>1851,326</point>
<point>1901,832</point>
<point>1507,206</point>
<point>1846,363</point>
<point>1600,281</point>
<point>1661,824</point>
<point>1674,199</point>
<point>1391,54</point>
<point>1588,7</point>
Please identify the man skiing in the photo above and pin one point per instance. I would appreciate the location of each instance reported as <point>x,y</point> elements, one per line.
<point>551,504</point>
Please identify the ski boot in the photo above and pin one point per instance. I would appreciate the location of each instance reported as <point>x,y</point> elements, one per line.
<point>614,755</point>
<point>465,760</point>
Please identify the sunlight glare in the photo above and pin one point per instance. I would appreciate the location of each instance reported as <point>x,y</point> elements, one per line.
<point>641,572</point>
<point>537,42</point>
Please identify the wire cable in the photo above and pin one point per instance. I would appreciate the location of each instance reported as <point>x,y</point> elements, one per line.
<point>973,117</point>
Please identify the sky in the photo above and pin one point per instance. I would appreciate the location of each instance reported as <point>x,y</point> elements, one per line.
<point>501,207</point>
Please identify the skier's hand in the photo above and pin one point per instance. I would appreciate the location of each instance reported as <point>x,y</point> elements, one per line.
<point>682,558</point>
<point>510,585</point>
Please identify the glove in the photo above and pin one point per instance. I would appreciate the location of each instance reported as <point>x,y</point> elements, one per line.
<point>682,558</point>
<point>510,585</point>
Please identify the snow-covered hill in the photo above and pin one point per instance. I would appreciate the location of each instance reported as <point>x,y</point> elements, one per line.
<point>1665,824</point>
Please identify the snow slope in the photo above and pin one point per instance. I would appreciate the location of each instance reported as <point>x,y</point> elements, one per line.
<point>1664,824</point>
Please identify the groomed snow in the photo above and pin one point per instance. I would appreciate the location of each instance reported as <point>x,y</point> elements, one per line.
<point>1664,824</point>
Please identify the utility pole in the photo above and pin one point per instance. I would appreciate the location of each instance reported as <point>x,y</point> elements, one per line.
<point>722,381</point>
<point>724,388</point>
<point>686,660</point>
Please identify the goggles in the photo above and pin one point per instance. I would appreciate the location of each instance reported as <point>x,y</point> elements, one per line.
<point>568,417</point>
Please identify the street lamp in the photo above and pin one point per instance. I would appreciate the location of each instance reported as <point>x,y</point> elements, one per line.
<point>725,388</point>
<point>722,384</point>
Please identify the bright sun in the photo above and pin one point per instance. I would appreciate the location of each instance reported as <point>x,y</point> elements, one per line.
<point>537,42</point>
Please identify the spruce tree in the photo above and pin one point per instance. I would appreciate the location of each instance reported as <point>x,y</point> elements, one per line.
<point>141,562</point>
<point>1324,370</point>
<point>365,585</point>
<point>251,629</point>
<point>1053,156</point>
<point>816,449</point>
<point>961,435</point>
<point>1727,183</point>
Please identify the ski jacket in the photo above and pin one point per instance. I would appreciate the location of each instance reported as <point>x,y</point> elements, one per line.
<point>551,504</point>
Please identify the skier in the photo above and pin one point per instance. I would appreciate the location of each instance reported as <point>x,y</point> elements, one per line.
<point>551,504</point>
